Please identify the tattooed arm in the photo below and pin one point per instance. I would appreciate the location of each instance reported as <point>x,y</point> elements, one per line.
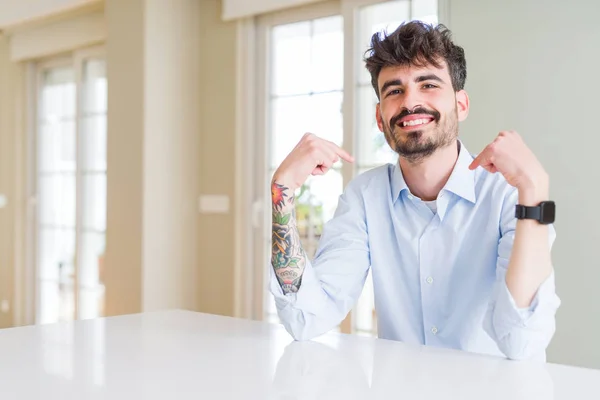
<point>287,256</point>
<point>312,156</point>
<point>312,296</point>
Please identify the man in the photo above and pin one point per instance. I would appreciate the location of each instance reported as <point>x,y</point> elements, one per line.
<point>452,264</point>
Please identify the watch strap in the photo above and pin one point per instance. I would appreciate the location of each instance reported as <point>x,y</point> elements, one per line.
<point>527,212</point>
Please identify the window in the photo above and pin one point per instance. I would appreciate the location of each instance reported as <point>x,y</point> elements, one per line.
<point>308,79</point>
<point>71,187</point>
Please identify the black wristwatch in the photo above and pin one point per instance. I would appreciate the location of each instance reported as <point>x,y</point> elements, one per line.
<point>544,213</point>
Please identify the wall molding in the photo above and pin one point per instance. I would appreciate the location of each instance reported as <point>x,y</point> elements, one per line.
<point>58,37</point>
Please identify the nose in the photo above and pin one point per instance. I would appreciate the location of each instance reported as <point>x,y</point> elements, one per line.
<point>411,100</point>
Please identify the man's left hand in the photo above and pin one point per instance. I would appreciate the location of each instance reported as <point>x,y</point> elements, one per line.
<point>509,155</point>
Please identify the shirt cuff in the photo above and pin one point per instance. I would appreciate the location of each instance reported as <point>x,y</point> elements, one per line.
<point>544,299</point>
<point>308,297</point>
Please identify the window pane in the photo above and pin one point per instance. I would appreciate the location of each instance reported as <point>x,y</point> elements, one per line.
<point>57,146</point>
<point>316,202</point>
<point>56,254</point>
<point>58,94</point>
<point>94,87</point>
<point>93,138</point>
<point>49,302</point>
<point>57,302</point>
<point>372,148</point>
<point>308,57</point>
<point>57,199</point>
<point>94,201</point>
<point>49,191</point>
<point>92,252</point>
<point>291,58</point>
<point>371,19</point>
<point>294,116</point>
<point>67,301</point>
<point>327,54</point>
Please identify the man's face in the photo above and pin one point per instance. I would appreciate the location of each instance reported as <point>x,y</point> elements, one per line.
<point>419,110</point>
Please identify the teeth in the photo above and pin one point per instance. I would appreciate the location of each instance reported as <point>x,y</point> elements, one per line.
<point>415,122</point>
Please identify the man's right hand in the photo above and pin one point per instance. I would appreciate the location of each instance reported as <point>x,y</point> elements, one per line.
<point>311,156</point>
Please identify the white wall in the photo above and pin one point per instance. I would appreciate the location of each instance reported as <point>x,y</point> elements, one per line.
<point>533,66</point>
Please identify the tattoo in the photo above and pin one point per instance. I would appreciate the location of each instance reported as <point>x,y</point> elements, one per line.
<point>290,274</point>
<point>278,196</point>
<point>287,255</point>
<point>290,286</point>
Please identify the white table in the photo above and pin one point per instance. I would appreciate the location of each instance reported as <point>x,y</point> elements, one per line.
<point>185,355</point>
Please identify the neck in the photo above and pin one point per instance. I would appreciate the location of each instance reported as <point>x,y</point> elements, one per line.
<point>426,178</point>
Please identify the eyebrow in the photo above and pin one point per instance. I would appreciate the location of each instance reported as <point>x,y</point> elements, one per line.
<point>393,82</point>
<point>420,78</point>
<point>428,77</point>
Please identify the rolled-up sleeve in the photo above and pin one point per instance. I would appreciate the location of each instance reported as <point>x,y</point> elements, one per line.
<point>521,333</point>
<point>333,281</point>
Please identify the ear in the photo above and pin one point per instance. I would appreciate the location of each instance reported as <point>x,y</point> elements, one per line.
<point>378,116</point>
<point>462,104</point>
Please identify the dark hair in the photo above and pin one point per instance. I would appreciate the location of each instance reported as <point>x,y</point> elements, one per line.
<point>418,44</point>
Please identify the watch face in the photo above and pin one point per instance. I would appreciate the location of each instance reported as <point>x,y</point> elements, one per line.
<point>548,212</point>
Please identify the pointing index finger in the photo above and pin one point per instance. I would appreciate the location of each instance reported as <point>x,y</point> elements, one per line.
<point>475,163</point>
<point>481,159</point>
<point>344,155</point>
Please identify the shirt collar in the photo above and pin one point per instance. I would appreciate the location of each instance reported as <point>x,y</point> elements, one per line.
<point>461,181</point>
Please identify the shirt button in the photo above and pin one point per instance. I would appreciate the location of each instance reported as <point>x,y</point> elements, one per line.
<point>434,330</point>
<point>429,280</point>
<point>410,196</point>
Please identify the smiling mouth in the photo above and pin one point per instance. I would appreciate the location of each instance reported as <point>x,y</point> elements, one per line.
<point>415,123</point>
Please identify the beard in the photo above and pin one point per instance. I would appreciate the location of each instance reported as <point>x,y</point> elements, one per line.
<point>411,145</point>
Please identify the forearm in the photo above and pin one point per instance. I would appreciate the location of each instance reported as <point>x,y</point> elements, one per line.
<point>530,261</point>
<point>287,257</point>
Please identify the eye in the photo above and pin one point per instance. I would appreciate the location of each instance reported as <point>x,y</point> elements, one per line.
<point>393,92</point>
<point>429,86</point>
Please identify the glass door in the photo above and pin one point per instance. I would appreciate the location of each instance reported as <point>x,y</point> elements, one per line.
<point>71,187</point>
<point>56,176</point>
